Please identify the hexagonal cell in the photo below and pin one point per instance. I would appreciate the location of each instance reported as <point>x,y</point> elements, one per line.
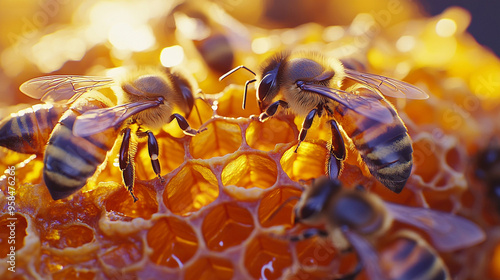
<point>210,268</point>
<point>123,254</point>
<point>230,104</point>
<point>122,203</point>
<point>226,225</point>
<point>7,234</point>
<point>308,163</point>
<point>173,242</point>
<point>193,187</point>
<point>425,159</point>
<point>265,135</point>
<point>221,138</point>
<point>266,258</point>
<point>201,111</point>
<point>250,170</point>
<point>316,251</point>
<point>63,236</point>
<point>276,207</point>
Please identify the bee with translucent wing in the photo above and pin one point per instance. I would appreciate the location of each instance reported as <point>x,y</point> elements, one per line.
<point>309,85</point>
<point>83,135</point>
<point>354,217</point>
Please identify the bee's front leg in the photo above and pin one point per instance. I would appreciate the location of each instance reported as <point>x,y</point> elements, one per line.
<point>184,125</point>
<point>272,109</point>
<point>306,125</point>
<point>309,233</point>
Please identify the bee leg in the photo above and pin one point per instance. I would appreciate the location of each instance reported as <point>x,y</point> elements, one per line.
<point>123,156</point>
<point>153,154</point>
<point>337,151</point>
<point>272,109</point>
<point>305,126</point>
<point>127,164</point>
<point>308,234</point>
<point>184,125</point>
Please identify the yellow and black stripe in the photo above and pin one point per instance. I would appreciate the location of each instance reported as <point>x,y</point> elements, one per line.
<point>408,258</point>
<point>70,160</point>
<point>385,148</point>
<point>28,130</point>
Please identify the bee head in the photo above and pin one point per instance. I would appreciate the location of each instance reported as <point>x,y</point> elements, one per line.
<point>310,208</point>
<point>269,81</point>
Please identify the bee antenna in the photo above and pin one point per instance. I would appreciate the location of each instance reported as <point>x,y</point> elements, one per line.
<point>234,70</point>
<point>275,212</point>
<point>245,92</point>
<point>196,106</point>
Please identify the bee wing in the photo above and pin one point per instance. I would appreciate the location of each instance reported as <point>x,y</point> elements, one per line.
<point>368,106</point>
<point>387,86</point>
<point>62,88</point>
<point>447,231</point>
<point>366,254</point>
<point>98,120</point>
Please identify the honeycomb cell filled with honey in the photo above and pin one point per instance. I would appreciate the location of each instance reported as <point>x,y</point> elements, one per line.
<point>224,205</point>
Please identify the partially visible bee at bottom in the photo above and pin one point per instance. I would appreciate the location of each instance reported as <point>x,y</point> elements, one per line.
<point>354,217</point>
<point>410,257</point>
<point>83,135</point>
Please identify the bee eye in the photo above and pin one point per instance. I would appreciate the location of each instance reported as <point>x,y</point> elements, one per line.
<point>265,86</point>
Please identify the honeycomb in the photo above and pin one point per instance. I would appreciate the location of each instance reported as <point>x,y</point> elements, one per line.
<point>228,193</point>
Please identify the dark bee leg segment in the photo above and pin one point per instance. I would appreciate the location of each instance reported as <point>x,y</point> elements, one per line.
<point>128,178</point>
<point>305,126</point>
<point>123,157</point>
<point>272,109</point>
<point>153,154</point>
<point>184,125</point>
<point>308,234</point>
<point>126,163</point>
<point>337,151</point>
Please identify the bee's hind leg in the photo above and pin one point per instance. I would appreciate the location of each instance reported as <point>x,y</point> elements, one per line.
<point>337,152</point>
<point>126,161</point>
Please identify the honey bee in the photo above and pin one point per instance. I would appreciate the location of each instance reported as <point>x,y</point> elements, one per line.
<point>80,140</point>
<point>354,217</point>
<point>309,85</point>
<point>487,169</point>
<point>409,256</point>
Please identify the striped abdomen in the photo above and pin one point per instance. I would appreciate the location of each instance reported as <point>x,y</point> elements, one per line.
<point>412,259</point>
<point>385,148</point>
<point>70,160</point>
<point>28,130</point>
